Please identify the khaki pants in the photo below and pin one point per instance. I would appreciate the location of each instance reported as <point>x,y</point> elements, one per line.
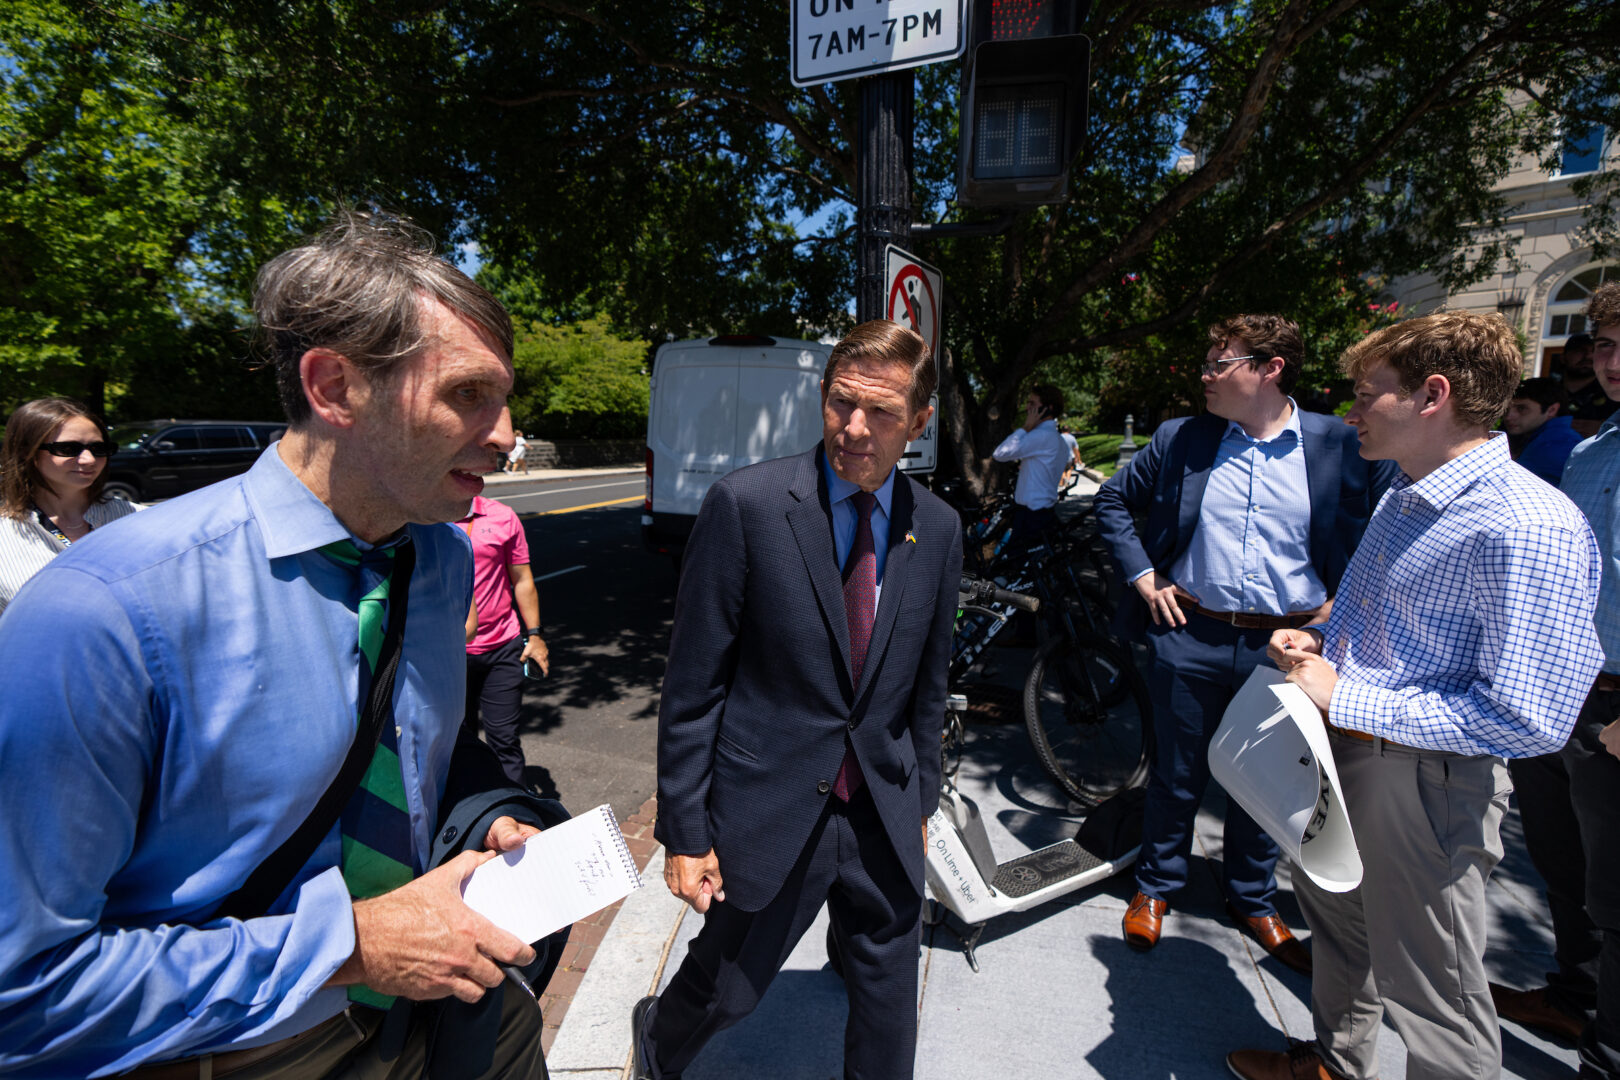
<point>348,1051</point>
<point>1410,940</point>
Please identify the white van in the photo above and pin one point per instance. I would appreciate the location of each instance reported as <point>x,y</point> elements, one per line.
<point>721,403</point>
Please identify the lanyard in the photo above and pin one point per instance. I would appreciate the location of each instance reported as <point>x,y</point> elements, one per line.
<point>50,526</point>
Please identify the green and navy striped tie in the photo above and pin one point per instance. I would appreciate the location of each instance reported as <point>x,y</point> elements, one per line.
<point>379,852</point>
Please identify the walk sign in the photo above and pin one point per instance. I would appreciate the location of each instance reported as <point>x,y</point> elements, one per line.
<point>844,39</point>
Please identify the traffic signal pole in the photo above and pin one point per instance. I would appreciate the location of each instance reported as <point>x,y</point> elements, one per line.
<point>882,184</point>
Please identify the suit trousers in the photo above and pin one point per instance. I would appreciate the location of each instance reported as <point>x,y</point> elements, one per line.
<point>1410,940</point>
<point>347,1050</point>
<point>849,863</point>
<point>1552,839</point>
<point>1197,670</point>
<point>495,699</point>
<point>1594,789</point>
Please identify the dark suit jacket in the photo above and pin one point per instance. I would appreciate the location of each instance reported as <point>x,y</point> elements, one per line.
<point>1166,481</point>
<point>757,699</point>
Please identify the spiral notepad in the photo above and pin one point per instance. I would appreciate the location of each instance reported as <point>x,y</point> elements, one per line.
<point>558,877</point>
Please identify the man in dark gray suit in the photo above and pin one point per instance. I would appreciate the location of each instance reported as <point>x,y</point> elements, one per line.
<point>798,735</point>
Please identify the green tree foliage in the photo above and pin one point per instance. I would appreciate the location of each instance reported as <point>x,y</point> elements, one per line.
<point>651,163</point>
<point>657,163</point>
<point>154,154</point>
<point>579,381</point>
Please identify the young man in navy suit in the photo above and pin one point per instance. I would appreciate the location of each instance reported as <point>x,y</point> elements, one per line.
<point>798,734</point>
<point>1253,510</point>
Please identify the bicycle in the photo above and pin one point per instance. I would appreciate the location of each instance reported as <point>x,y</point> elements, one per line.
<point>1086,706</point>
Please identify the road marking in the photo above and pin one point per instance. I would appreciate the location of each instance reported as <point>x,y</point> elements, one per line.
<point>588,506</point>
<point>584,487</point>
<point>560,573</point>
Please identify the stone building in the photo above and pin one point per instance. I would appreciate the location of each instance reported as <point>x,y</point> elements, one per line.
<point>1557,268</point>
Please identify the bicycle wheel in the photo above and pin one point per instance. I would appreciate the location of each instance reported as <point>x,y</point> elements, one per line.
<point>1090,749</point>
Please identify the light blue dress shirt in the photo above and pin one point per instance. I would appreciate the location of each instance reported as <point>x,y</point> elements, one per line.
<point>1591,478</point>
<point>1464,622</point>
<point>180,688</point>
<point>1251,551</point>
<point>845,518</point>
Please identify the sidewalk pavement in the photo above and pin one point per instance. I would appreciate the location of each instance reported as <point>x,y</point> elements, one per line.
<point>1058,993</point>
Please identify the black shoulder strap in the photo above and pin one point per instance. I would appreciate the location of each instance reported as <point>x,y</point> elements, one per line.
<point>276,872</point>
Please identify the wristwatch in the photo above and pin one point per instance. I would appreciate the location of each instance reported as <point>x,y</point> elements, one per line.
<point>532,631</point>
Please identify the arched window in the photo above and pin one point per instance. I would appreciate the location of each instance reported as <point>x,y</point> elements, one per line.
<point>1564,306</point>
<point>1569,297</point>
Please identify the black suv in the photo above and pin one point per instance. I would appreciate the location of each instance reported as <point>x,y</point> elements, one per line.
<point>157,459</point>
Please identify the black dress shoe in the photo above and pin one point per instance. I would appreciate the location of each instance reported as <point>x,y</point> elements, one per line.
<point>638,1042</point>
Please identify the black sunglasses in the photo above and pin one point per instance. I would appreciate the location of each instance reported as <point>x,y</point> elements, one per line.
<point>74,449</point>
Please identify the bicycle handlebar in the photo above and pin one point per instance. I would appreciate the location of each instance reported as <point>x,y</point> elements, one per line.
<point>975,592</point>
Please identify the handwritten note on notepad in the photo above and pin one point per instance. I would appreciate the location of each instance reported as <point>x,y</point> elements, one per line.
<point>558,877</point>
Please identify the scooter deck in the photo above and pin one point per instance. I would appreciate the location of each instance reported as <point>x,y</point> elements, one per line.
<point>1045,867</point>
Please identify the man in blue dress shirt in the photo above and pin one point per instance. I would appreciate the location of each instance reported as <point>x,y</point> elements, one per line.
<point>1252,511</point>
<point>179,695</point>
<point>1462,635</point>
<point>1569,801</point>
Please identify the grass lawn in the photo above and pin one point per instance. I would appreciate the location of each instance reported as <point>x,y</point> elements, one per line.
<point>1100,451</point>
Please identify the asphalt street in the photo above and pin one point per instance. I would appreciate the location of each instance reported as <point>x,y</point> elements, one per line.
<point>590,729</point>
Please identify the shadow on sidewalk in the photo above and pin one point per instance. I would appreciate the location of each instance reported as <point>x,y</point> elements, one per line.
<point>1169,1008</point>
<point>798,1029</point>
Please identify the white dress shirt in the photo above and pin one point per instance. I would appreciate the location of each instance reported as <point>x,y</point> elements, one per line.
<point>1042,456</point>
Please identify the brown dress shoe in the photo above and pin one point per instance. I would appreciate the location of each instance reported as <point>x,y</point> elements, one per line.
<point>1531,1009</point>
<point>1143,921</point>
<point>1301,1062</point>
<point>1275,937</point>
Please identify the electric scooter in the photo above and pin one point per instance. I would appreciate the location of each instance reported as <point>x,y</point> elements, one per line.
<point>963,876</point>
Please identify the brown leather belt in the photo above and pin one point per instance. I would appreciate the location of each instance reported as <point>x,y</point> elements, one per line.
<point>1362,736</point>
<point>1247,621</point>
<point>231,1060</point>
<point>1605,681</point>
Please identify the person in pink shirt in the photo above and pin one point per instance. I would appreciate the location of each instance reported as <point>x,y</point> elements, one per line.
<point>508,636</point>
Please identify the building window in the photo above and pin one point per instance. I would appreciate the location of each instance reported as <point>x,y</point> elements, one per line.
<point>1564,307</point>
<point>1582,151</point>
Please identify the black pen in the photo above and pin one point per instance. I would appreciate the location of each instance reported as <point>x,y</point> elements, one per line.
<point>514,975</point>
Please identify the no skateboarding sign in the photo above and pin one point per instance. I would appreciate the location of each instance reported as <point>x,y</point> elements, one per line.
<point>915,295</point>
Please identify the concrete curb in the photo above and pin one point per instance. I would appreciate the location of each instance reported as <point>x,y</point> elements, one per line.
<point>595,1040</point>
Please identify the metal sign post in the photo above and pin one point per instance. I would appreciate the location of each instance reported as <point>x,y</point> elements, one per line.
<point>882,186</point>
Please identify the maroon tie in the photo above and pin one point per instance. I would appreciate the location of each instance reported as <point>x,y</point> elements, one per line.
<point>860,608</point>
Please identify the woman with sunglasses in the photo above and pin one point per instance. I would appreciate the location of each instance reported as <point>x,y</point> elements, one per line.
<point>52,467</point>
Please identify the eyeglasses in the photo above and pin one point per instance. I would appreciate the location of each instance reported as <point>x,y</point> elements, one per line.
<point>1215,367</point>
<point>74,449</point>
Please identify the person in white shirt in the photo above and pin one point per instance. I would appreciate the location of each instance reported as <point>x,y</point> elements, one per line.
<point>1042,455</point>
<point>517,460</point>
<point>1072,464</point>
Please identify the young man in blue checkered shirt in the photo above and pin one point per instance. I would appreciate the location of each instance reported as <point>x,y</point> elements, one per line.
<point>1462,635</point>
<point>1569,801</point>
